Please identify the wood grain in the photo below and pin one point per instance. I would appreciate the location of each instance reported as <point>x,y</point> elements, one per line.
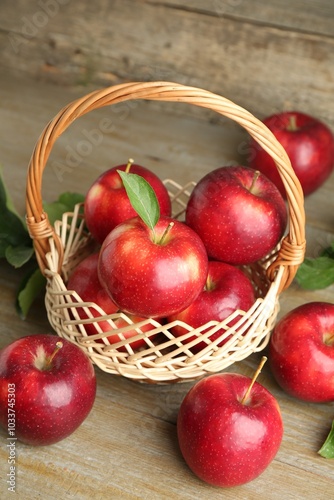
<point>127,447</point>
<point>304,16</point>
<point>264,56</point>
<point>251,52</point>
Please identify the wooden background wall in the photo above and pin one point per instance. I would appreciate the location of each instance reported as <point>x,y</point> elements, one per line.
<point>261,54</point>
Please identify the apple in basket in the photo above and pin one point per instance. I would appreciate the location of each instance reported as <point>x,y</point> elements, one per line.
<point>227,289</point>
<point>301,352</point>
<point>47,389</point>
<point>152,273</point>
<point>85,282</point>
<point>151,265</point>
<point>107,203</point>
<point>229,429</point>
<point>239,214</point>
<point>309,144</point>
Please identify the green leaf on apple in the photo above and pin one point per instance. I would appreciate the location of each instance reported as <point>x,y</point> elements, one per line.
<point>314,274</point>
<point>327,449</point>
<point>142,198</point>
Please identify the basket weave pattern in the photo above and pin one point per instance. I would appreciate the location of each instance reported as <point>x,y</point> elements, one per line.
<point>165,358</point>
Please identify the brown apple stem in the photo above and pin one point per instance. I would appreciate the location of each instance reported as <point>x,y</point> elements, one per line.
<point>209,286</point>
<point>166,231</point>
<point>48,360</point>
<point>329,339</point>
<point>256,374</point>
<point>255,178</point>
<point>130,162</point>
<point>292,125</point>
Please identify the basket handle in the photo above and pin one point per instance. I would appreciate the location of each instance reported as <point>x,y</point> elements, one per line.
<point>292,250</point>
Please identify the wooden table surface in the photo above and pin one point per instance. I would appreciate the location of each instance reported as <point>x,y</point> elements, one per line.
<point>127,447</point>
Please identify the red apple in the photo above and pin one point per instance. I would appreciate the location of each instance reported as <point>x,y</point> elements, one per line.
<point>47,385</point>
<point>239,214</point>
<point>84,280</point>
<point>227,440</point>
<point>136,329</point>
<point>301,352</point>
<point>107,203</point>
<point>309,144</point>
<point>153,273</point>
<point>226,290</point>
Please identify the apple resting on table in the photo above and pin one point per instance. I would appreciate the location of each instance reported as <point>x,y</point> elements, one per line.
<point>309,144</point>
<point>84,280</point>
<point>226,290</point>
<point>47,385</point>
<point>153,272</point>
<point>107,203</point>
<point>229,430</point>
<point>239,214</point>
<point>301,352</point>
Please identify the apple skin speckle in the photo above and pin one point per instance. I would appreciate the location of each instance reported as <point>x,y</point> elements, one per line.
<point>301,352</point>
<point>224,442</point>
<point>239,214</point>
<point>50,401</point>
<point>149,279</point>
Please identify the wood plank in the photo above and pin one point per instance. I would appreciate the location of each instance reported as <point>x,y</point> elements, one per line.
<point>216,145</point>
<point>166,142</point>
<point>301,15</point>
<point>260,66</point>
<point>127,447</point>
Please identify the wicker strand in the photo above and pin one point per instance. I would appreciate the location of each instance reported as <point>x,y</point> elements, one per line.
<point>58,250</point>
<point>165,91</point>
<point>40,231</point>
<point>290,256</point>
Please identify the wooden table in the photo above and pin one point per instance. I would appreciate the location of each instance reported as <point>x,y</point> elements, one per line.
<point>127,447</point>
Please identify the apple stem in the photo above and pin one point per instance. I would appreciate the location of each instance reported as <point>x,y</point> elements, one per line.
<point>255,178</point>
<point>256,374</point>
<point>166,231</point>
<point>130,162</point>
<point>209,286</point>
<point>329,339</point>
<point>292,125</point>
<point>48,361</point>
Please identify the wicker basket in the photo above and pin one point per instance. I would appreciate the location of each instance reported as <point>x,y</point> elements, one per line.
<point>165,359</point>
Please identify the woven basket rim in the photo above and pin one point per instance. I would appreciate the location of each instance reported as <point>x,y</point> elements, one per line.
<point>40,229</point>
<point>249,334</point>
<point>49,246</point>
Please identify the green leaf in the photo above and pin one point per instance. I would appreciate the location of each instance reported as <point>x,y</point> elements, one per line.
<point>314,274</point>
<point>17,247</point>
<point>30,288</point>
<point>13,230</point>
<point>142,198</point>
<point>327,449</point>
<point>65,203</point>
<point>54,210</point>
<point>6,203</point>
<point>71,199</point>
<point>18,255</point>
<point>329,251</point>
